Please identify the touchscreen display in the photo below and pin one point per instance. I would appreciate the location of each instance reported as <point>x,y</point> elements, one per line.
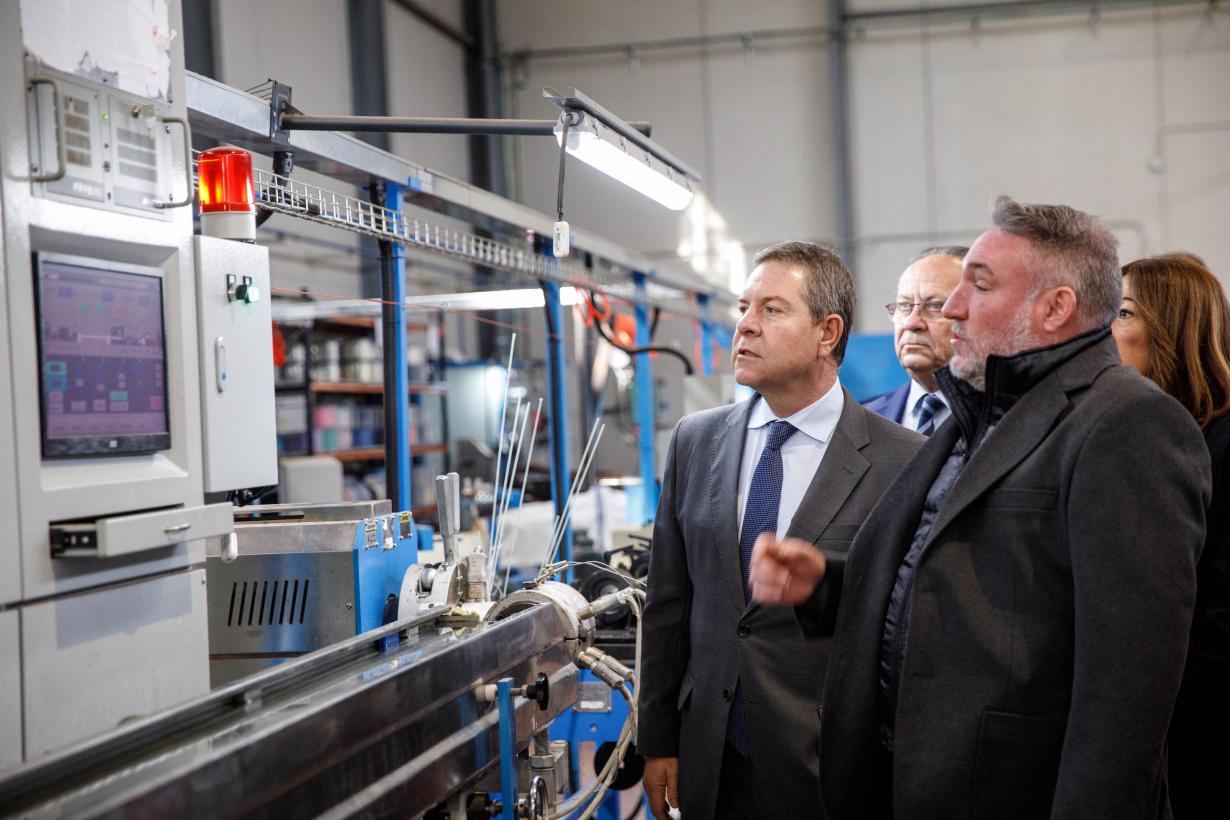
<point>102,349</point>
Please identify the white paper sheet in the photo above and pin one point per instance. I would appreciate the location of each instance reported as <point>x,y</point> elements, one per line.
<point>123,43</point>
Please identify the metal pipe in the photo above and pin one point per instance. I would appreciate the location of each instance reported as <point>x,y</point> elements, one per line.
<point>839,115</point>
<point>396,381</point>
<point>706,335</point>
<point>1013,9</point>
<point>645,416</point>
<point>438,23</point>
<point>557,414</point>
<point>429,125</point>
<point>633,48</point>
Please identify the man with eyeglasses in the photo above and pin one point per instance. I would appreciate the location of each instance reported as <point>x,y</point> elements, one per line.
<point>922,338</point>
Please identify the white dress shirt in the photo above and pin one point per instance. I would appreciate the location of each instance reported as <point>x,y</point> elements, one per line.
<point>913,406</point>
<point>801,453</point>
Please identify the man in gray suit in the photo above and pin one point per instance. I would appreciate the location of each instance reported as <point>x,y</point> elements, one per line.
<point>729,691</point>
<point>1016,608</point>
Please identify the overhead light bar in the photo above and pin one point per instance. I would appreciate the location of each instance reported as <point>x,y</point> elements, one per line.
<point>609,153</point>
<point>607,143</point>
<point>517,299</point>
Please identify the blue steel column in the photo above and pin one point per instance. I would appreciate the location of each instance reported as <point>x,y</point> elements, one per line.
<point>397,473</point>
<point>645,411</point>
<point>557,397</point>
<point>508,749</point>
<point>706,335</point>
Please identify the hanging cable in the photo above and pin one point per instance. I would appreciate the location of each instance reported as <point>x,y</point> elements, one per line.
<point>605,333</point>
<point>567,121</point>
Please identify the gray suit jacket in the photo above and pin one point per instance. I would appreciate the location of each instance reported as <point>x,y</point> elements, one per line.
<point>700,637</point>
<point>1051,607</point>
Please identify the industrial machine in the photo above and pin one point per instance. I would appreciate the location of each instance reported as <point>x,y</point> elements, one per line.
<point>305,577</point>
<point>411,719</point>
<point>133,379</point>
<point>351,675</point>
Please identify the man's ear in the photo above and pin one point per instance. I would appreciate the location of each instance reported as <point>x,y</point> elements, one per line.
<point>831,328</point>
<point>1059,308</point>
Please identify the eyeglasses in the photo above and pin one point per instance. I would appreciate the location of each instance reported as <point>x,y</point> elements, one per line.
<point>929,310</point>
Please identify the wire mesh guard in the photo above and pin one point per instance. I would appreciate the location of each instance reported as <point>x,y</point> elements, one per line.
<point>284,195</point>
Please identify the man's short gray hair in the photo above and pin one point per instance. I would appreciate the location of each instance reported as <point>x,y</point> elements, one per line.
<point>828,286</point>
<point>1071,248</point>
<point>955,251</point>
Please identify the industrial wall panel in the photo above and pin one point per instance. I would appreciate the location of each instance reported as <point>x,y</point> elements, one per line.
<point>93,660</point>
<point>10,690</point>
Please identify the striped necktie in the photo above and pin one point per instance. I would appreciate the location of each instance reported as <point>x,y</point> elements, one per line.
<point>929,405</point>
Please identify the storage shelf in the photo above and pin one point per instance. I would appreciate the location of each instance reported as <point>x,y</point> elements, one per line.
<point>366,388</point>
<point>377,453</point>
<point>364,323</point>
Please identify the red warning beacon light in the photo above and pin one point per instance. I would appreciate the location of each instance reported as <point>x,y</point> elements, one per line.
<point>225,194</point>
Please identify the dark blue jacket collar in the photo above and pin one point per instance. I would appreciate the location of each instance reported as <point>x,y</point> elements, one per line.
<point>1008,378</point>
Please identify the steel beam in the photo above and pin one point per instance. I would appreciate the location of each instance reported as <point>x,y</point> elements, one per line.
<point>557,398</point>
<point>232,116</point>
<point>351,729</point>
<point>645,410</point>
<point>396,380</point>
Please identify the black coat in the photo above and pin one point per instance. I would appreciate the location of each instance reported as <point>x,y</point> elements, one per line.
<point>1050,612</point>
<point>1200,731</point>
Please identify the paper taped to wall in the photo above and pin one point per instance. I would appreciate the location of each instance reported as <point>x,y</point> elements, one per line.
<point>122,43</point>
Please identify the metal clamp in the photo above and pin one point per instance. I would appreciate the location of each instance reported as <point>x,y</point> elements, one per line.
<point>187,200</point>
<point>539,800</point>
<point>55,114</point>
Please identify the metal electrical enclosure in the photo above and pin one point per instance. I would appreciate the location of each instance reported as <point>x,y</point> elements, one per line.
<point>103,520</point>
<point>239,427</point>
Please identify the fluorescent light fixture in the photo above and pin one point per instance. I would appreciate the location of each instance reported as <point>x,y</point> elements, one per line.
<point>605,142</point>
<point>605,151</point>
<point>518,299</point>
<point>621,481</point>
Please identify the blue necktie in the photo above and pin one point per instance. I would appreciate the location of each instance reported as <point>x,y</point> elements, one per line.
<point>759,515</point>
<point>930,404</point>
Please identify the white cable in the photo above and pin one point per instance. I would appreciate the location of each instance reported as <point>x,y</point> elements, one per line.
<point>557,527</point>
<point>502,481</point>
<point>615,760</point>
<point>525,479</point>
<point>519,421</point>
<point>495,483</point>
<point>582,473</point>
<point>518,435</point>
<point>595,791</point>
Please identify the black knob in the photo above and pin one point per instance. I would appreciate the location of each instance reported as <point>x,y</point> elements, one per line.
<point>539,691</point>
<point>743,631</point>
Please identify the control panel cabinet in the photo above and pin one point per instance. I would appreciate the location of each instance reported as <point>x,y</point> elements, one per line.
<point>236,343</point>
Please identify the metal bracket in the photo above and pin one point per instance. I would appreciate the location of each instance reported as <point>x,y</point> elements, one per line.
<point>279,104</point>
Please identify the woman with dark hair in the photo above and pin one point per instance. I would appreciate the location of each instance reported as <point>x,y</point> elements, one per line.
<point>1174,327</point>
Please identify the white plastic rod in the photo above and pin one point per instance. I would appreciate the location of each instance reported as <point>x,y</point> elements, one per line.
<point>587,457</point>
<point>495,481</point>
